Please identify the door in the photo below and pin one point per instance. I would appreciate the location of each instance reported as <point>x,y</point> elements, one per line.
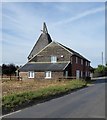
<point>66,74</point>
<point>77,74</point>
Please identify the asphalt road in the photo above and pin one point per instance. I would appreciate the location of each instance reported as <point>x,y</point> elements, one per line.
<point>85,103</point>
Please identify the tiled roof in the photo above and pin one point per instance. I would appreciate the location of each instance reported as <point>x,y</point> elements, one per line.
<point>44,67</point>
<point>74,52</point>
<point>43,41</point>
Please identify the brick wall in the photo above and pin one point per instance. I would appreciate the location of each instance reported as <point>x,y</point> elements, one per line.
<point>23,75</point>
<point>40,75</point>
<point>81,67</point>
<point>56,75</point>
<point>53,49</point>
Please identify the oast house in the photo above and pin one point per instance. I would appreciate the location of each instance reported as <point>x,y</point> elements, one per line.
<point>52,60</point>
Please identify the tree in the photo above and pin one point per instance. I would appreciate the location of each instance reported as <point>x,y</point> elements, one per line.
<point>9,69</point>
<point>101,70</point>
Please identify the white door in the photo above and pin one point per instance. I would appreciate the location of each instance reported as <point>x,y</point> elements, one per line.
<point>77,74</point>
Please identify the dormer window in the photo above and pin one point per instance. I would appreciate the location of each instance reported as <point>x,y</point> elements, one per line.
<point>53,59</point>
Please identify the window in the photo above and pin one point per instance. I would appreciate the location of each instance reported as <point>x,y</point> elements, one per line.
<point>48,74</point>
<point>77,74</point>
<point>86,63</point>
<point>86,74</point>
<point>31,74</point>
<point>89,74</point>
<point>53,59</point>
<point>81,61</point>
<point>76,59</point>
<point>81,74</point>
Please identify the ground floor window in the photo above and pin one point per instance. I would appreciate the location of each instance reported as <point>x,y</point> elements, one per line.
<point>81,74</point>
<point>31,74</point>
<point>86,74</point>
<point>48,74</point>
<point>77,74</point>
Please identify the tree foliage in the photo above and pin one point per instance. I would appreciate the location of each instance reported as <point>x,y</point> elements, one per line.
<point>9,69</point>
<point>101,70</point>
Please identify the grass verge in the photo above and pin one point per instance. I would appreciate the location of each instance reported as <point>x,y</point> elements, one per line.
<point>17,100</point>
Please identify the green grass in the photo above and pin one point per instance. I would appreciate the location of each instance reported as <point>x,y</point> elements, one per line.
<point>12,101</point>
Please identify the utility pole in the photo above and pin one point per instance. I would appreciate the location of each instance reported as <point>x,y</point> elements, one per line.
<point>102,58</point>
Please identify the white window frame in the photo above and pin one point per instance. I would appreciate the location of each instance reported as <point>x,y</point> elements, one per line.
<point>76,60</point>
<point>53,59</point>
<point>86,63</point>
<point>86,74</point>
<point>31,74</point>
<point>81,73</point>
<point>81,61</point>
<point>77,74</point>
<point>48,74</point>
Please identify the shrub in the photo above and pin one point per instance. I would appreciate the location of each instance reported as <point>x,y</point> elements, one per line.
<point>88,79</point>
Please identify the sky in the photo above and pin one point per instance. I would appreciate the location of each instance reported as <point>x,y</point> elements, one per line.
<point>77,25</point>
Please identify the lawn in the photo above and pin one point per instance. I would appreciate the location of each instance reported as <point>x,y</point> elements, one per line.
<point>14,86</point>
<point>19,93</point>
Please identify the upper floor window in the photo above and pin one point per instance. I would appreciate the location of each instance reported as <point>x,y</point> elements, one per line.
<point>81,61</point>
<point>53,59</point>
<point>76,59</point>
<point>86,63</point>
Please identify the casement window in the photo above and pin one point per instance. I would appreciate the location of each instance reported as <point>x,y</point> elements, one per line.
<point>31,74</point>
<point>76,59</point>
<point>53,59</point>
<point>81,61</point>
<point>86,74</point>
<point>81,74</point>
<point>48,74</point>
<point>77,74</point>
<point>86,63</point>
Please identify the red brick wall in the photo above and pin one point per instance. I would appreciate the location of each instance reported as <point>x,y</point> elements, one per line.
<point>79,66</point>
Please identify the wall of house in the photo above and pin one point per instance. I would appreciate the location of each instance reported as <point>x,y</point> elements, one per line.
<point>40,75</point>
<point>57,75</point>
<point>52,49</point>
<point>81,67</point>
<point>23,75</point>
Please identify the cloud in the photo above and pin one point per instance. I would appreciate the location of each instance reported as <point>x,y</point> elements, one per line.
<point>79,16</point>
<point>22,23</point>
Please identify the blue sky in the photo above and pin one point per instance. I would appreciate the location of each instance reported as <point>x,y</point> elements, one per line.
<point>78,25</point>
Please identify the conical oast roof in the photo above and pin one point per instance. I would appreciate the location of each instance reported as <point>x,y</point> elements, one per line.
<point>43,41</point>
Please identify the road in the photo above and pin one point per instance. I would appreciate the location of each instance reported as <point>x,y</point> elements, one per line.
<point>85,103</point>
